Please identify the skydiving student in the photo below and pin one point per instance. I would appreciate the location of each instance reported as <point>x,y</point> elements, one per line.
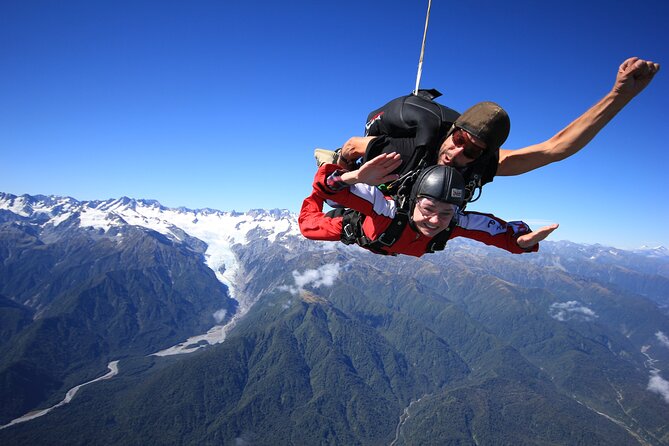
<point>423,224</point>
<point>417,127</point>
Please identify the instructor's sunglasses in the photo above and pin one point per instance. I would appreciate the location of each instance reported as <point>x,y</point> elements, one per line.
<point>463,139</point>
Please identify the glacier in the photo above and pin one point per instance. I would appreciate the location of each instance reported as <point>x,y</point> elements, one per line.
<point>219,230</point>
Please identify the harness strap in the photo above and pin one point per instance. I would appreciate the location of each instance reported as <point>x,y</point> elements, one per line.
<point>401,187</point>
<point>392,233</point>
<point>352,225</point>
<point>471,188</point>
<point>352,233</point>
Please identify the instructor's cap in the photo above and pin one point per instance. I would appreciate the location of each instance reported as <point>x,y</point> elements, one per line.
<point>488,122</point>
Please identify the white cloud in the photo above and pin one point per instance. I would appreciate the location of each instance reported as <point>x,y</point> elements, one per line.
<point>323,276</point>
<point>659,385</point>
<point>664,340</point>
<point>572,309</point>
<point>220,315</point>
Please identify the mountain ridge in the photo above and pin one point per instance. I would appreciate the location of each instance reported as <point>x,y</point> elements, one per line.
<point>57,204</point>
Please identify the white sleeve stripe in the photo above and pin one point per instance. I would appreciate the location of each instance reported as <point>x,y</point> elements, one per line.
<point>478,222</point>
<point>372,195</point>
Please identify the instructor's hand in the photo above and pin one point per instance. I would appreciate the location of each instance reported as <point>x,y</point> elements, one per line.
<point>634,75</point>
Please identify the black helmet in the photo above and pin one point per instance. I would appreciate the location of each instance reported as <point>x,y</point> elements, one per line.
<point>443,183</point>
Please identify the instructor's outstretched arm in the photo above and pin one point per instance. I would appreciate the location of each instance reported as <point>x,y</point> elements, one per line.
<point>633,76</point>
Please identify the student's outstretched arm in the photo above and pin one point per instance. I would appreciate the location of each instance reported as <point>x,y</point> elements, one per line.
<point>526,241</point>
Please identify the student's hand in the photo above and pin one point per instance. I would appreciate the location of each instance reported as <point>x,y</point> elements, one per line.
<point>634,75</point>
<point>528,240</point>
<point>376,171</point>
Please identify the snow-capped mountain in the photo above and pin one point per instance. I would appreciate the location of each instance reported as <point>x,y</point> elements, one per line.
<point>219,230</point>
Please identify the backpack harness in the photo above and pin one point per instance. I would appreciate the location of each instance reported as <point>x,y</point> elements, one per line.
<point>417,115</point>
<point>403,117</point>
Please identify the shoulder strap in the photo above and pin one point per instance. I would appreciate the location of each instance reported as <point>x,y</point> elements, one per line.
<point>480,172</point>
<point>391,234</point>
<point>352,231</point>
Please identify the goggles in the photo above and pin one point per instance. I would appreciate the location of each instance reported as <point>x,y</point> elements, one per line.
<point>429,209</point>
<point>461,138</point>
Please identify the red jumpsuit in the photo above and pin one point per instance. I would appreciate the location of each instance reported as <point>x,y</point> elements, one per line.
<point>380,210</point>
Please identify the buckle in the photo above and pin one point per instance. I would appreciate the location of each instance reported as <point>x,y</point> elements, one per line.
<point>348,231</point>
<point>386,243</point>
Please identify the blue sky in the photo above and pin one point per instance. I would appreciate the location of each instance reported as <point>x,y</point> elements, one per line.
<point>220,104</point>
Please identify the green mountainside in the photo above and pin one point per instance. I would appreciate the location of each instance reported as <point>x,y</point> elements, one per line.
<point>470,346</point>
<point>96,299</point>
